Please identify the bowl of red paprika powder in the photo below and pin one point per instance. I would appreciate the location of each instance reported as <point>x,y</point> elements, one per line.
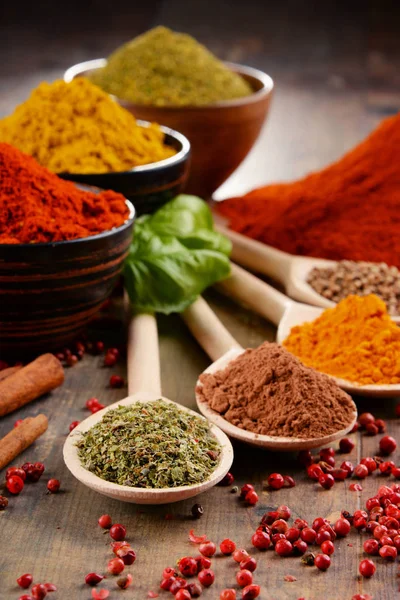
<point>62,248</point>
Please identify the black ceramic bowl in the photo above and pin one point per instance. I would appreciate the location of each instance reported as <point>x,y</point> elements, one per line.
<point>148,186</point>
<point>50,291</point>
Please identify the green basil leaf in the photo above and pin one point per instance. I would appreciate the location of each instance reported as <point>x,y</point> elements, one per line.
<point>174,256</point>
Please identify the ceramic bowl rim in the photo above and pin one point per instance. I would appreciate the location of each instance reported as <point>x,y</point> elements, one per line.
<point>265,79</point>
<point>103,234</point>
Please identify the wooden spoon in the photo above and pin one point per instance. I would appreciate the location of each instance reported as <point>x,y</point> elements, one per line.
<point>222,348</point>
<point>291,271</point>
<point>143,386</point>
<point>285,313</point>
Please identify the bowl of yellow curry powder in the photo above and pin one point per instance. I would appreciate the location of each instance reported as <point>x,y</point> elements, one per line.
<point>81,133</point>
<point>170,78</point>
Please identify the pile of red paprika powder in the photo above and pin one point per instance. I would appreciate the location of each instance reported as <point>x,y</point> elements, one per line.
<point>349,210</point>
<point>37,206</point>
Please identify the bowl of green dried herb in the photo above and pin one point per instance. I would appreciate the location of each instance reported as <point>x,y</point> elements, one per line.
<point>170,78</point>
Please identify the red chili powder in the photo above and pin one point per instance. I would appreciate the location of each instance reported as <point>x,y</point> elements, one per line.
<point>349,210</point>
<point>37,206</point>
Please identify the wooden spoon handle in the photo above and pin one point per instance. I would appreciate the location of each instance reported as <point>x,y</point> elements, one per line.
<point>257,256</point>
<point>143,355</point>
<point>256,294</point>
<point>208,330</point>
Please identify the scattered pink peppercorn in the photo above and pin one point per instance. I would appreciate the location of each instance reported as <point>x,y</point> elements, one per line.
<point>18,422</point>
<point>15,484</point>
<point>347,466</point>
<point>227,547</point>
<point>346,445</point>
<point>3,502</point>
<point>206,577</point>
<point>93,578</point>
<point>12,471</point>
<point>127,555</point>
<point>299,547</point>
<point>370,463</point>
<point>366,418</point>
<point>118,532</point>
<point>308,535</point>
<point>188,566</point>
<point>115,566</point>
<point>38,591</point>
<point>110,359</point>
<point>244,577</point>
<point>178,584</point>
<point>289,481</point>
<point>371,546</point>
<point>261,540</point>
<point>283,547</point>
<point>228,594</point>
<point>251,498</point>
<point>116,381</point>
<point>91,403</point>
<point>322,562</point>
<point>342,527</point>
<point>105,521</point>
<point>305,458</point>
<point>248,564</point>
<point>245,489</point>
<point>73,425</point>
<point>240,554</point>
<point>227,480</point>
<point>50,587</point>
<point>100,594</point>
<point>53,485</point>
<point>25,581</point>
<point>276,481</point>
<point>182,595</point>
<point>169,572</point>
<point>355,487</point>
<point>367,568</point>
<point>166,583</point>
<point>361,471</point>
<point>314,472</point>
<point>381,425</point>
<point>202,562</point>
<point>250,592</point>
<point>25,597</point>
<point>124,582</point>
<point>387,444</point>
<point>195,590</point>
<point>371,429</point>
<point>327,547</point>
<point>388,552</point>
<point>326,481</point>
<point>208,549</point>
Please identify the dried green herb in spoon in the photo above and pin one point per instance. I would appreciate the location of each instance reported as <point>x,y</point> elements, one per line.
<point>150,445</point>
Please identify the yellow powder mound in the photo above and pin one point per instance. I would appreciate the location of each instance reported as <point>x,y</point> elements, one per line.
<point>356,340</point>
<point>77,128</point>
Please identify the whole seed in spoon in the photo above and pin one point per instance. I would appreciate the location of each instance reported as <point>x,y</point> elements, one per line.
<point>359,278</point>
<point>150,445</point>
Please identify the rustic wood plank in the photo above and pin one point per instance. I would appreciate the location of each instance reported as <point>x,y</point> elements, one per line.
<point>321,60</point>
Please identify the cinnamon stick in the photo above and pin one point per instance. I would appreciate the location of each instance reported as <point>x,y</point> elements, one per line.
<point>4,373</point>
<point>21,437</point>
<point>35,379</point>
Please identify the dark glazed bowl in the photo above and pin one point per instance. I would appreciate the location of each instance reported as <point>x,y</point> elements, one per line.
<point>148,186</point>
<point>221,135</point>
<point>49,292</point>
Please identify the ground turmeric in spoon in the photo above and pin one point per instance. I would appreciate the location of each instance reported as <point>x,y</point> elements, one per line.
<point>356,340</point>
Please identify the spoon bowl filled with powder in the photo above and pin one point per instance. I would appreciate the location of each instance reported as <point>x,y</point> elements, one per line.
<point>265,396</point>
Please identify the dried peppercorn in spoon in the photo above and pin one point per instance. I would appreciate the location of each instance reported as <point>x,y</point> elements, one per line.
<point>136,422</point>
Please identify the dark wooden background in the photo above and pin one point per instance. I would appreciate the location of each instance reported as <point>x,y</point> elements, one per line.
<point>337,75</point>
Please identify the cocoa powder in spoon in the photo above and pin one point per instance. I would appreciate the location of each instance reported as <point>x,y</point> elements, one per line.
<point>268,391</point>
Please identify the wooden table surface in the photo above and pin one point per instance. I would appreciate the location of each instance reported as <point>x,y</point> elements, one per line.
<point>337,75</point>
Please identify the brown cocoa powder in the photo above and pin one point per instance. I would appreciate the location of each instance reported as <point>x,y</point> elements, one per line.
<point>269,391</point>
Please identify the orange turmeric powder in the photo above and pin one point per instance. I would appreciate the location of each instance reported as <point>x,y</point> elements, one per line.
<point>356,340</point>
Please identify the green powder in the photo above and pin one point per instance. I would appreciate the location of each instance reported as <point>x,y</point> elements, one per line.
<point>165,68</point>
<point>150,445</point>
